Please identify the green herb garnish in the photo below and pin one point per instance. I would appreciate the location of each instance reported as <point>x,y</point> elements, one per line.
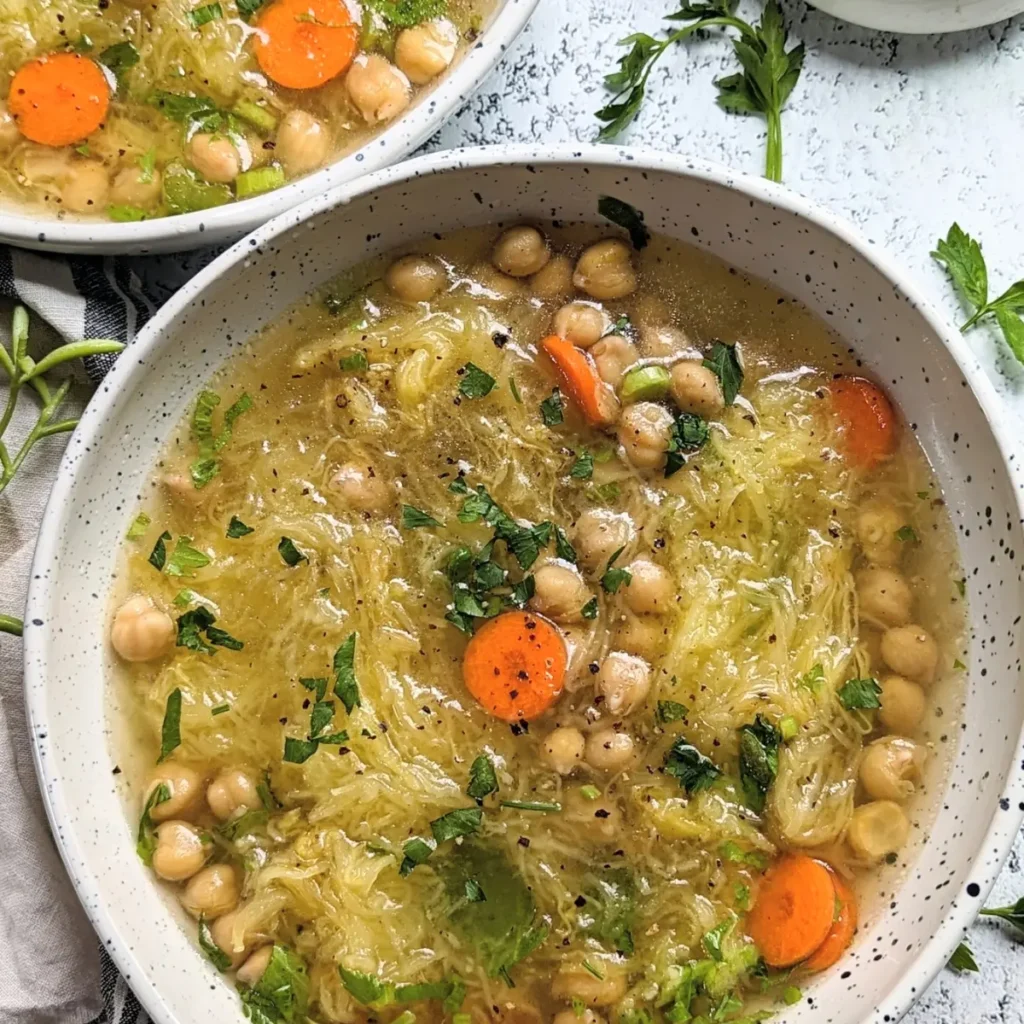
<point>346,686</point>
<point>463,821</point>
<point>1013,915</point>
<point>963,959</point>
<point>589,610</point>
<point>290,553</point>
<point>185,559</point>
<point>200,16</point>
<point>140,524</point>
<point>689,767</point>
<point>583,467</point>
<point>544,806</point>
<point>671,711</point>
<point>146,843</point>
<point>483,779</point>
<point>170,731</point>
<point>627,216</point>
<point>759,760</point>
<point>414,518</point>
<point>158,556</point>
<point>281,996</point>
<point>354,362</point>
<point>406,13</point>
<point>551,409</point>
<point>236,529</point>
<point>907,535</point>
<point>210,949</point>
<point>614,578</point>
<point>860,694</point>
<point>689,433</point>
<point>474,382</point>
<point>724,362</point>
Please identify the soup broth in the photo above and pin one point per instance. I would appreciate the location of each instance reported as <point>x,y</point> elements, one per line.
<point>563,632</point>
<point>135,109</point>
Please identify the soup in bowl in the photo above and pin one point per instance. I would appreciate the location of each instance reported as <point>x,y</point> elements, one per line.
<point>536,620</point>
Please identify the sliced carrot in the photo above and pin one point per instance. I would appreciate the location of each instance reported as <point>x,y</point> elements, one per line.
<point>58,99</point>
<point>515,665</point>
<point>301,44</point>
<point>794,911</point>
<point>580,380</point>
<point>840,935</point>
<point>869,423</point>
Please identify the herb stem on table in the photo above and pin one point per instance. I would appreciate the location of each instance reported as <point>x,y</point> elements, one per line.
<point>9,624</point>
<point>769,71</point>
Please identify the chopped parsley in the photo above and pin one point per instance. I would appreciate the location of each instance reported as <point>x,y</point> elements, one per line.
<point>414,518</point>
<point>158,556</point>
<point>406,13</point>
<point>907,535</point>
<point>236,529</point>
<point>688,434</point>
<point>671,711</point>
<point>589,610</point>
<point>626,216</point>
<point>759,760</point>
<point>290,553</point>
<point>614,578</point>
<point>200,16</point>
<point>724,361</point>
<point>962,959</point>
<point>193,624</point>
<point>860,694</point>
<point>354,362</point>
<point>346,686</point>
<point>562,546</point>
<point>813,679</point>
<point>474,382</point>
<point>140,524</point>
<point>170,731</point>
<point>551,409</point>
<point>146,843</point>
<point>206,467</point>
<point>583,467</point>
<point>210,949</point>
<point>689,767</point>
<point>185,560</point>
<point>461,822</point>
<point>483,779</point>
<point>281,995</point>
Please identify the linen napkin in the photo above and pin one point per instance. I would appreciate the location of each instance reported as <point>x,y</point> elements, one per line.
<point>55,971</point>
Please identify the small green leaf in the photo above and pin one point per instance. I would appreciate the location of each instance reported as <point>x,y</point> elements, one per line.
<point>589,792</point>
<point>298,751</point>
<point>689,767</point>
<point>962,959</point>
<point>907,535</point>
<point>346,687</point>
<point>962,258</point>
<point>551,409</point>
<point>543,806</point>
<point>146,842</point>
<point>415,852</point>
<point>170,731</point>
<point>290,553</point>
<point>589,610</point>
<point>474,382</point>
<point>236,528</point>
<point>354,362</point>
<point>860,694</point>
<point>613,579</point>
<point>563,548</point>
<point>200,16</point>
<point>813,679</point>
<point>210,949</point>
<point>1013,915</point>
<point>158,556</point>
<point>140,524</point>
<point>627,216</point>
<point>185,560</point>
<point>583,467</point>
<point>474,893</point>
<point>712,940</point>
<point>724,362</point>
<point>414,518</point>
<point>463,821</point>
<point>671,711</point>
<point>483,779</point>
<point>759,760</point>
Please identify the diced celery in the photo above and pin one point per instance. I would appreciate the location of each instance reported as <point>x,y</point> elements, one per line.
<point>259,117</point>
<point>125,214</point>
<point>257,180</point>
<point>185,192</point>
<point>644,383</point>
<point>788,726</point>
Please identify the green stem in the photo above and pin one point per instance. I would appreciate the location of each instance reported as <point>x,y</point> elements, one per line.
<point>773,156</point>
<point>73,350</point>
<point>9,624</point>
<point>977,315</point>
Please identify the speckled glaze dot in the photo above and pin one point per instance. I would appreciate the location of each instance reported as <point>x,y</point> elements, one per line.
<point>925,902</point>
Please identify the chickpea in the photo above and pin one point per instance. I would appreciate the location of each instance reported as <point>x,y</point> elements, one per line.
<point>360,488</point>
<point>642,636</point>
<point>232,792</point>
<point>662,341</point>
<point>645,431</point>
<point>581,984</point>
<point>697,389</point>
<point>570,1017</point>
<point>222,932</point>
<point>889,767</point>
<point>129,188</point>
<point>877,829</point>
<point>141,631</point>
<point>903,705</point>
<point>415,278</point>
<point>252,970</point>
<point>212,892</point>
<point>599,534</point>
<point>86,189</point>
<point>489,283</point>
<point>185,787</point>
<point>559,592</point>
<point>10,136</point>
<point>303,143</point>
<point>377,88</point>
<point>910,651</point>
<point>424,51</point>
<point>582,323</point>
<point>876,531</point>
<point>884,597</point>
<point>520,251</point>
<point>553,282</point>
<point>180,851</point>
<point>599,819</point>
<point>215,157</point>
<point>624,681</point>
<point>605,270</point>
<point>608,750</point>
<point>613,355</point>
<point>563,749</point>
<point>650,589</point>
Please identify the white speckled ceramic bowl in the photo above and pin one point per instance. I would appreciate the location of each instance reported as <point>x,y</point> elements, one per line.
<point>760,228</point>
<point>431,108</point>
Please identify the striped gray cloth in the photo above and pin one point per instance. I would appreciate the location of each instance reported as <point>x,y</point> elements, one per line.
<point>80,297</point>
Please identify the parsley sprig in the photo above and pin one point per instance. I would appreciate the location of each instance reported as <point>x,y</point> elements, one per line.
<point>769,71</point>
<point>961,256</point>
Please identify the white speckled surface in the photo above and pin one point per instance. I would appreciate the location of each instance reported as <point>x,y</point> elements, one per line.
<point>900,134</point>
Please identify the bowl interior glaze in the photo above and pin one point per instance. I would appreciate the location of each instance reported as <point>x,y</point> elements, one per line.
<point>760,228</point>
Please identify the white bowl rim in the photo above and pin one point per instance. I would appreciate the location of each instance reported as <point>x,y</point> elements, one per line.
<point>998,839</point>
<point>234,220</point>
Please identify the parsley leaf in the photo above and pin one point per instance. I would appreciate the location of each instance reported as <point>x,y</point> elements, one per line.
<point>416,851</point>
<point>185,559</point>
<point>140,524</point>
<point>812,679</point>
<point>158,556</point>
<point>200,16</point>
<point>346,687</point>
<point>354,362</point>
<point>614,578</point>
<point>724,362</point>
<point>483,779</point>
<point>907,534</point>
<point>1012,915</point>
<point>474,382</point>
<point>961,256</point>
<point>406,13</point>
<point>671,711</point>
<point>769,71</point>
<point>146,843</point>
<point>589,610</point>
<point>689,432</point>
<point>367,989</point>
<point>236,529</point>
<point>583,467</point>
<point>210,949</point>
<point>618,211</point>
<point>963,959</point>
<point>463,821</point>
<point>759,760</point>
<point>689,767</point>
<point>562,546</point>
<point>860,694</point>
<point>290,553</point>
<point>281,995</point>
<point>206,467</point>
<point>298,751</point>
<point>170,731</point>
<point>414,518</point>
<point>551,409</point>
<point>474,892</point>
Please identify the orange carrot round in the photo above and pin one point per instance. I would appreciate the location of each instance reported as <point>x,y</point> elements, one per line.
<point>515,665</point>
<point>58,99</point>
<point>580,380</point>
<point>301,44</point>
<point>869,423</point>
<point>841,933</point>
<point>794,910</point>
